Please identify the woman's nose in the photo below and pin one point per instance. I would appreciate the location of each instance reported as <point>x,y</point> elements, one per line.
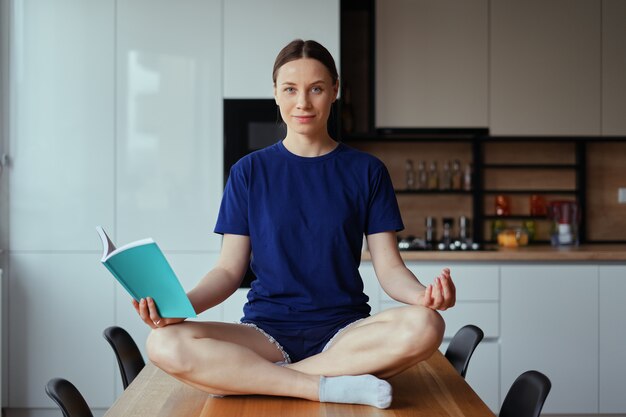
<point>303,100</point>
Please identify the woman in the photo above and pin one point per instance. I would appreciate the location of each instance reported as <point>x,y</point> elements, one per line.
<point>296,212</point>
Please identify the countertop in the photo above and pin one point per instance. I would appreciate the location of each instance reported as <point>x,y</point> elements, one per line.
<point>539,253</point>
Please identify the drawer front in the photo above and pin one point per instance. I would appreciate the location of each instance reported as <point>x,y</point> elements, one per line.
<point>482,314</point>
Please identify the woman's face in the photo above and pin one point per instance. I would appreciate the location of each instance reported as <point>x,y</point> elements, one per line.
<point>304,92</point>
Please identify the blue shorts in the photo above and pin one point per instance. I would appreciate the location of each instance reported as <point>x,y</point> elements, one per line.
<point>298,344</point>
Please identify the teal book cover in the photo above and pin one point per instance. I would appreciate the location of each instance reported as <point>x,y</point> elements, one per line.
<point>142,269</point>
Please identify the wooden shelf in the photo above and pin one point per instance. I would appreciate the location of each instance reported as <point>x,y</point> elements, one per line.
<point>530,191</point>
<point>435,192</point>
<point>530,166</point>
<point>515,217</point>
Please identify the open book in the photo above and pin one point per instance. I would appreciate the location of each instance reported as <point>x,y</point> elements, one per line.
<point>143,271</point>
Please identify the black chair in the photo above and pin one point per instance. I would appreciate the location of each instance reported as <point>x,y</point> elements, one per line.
<point>68,398</point>
<point>526,396</point>
<point>127,353</point>
<point>462,347</point>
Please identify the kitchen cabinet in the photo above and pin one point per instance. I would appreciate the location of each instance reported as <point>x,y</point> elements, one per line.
<point>549,322</point>
<point>129,138</point>
<point>169,123</point>
<point>478,303</point>
<point>545,67</point>
<point>483,373</point>
<point>431,63</point>
<point>612,338</point>
<point>59,304</point>
<point>254,33</point>
<point>62,176</point>
<point>190,268</point>
<point>613,67</point>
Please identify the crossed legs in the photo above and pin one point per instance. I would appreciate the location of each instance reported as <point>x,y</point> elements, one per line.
<point>222,358</point>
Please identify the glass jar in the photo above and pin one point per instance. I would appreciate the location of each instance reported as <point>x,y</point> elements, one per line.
<point>503,206</point>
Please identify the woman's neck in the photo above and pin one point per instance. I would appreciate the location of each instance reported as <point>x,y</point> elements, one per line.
<point>307,146</point>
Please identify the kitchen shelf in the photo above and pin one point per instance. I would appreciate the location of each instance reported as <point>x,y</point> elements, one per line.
<point>435,192</point>
<point>530,166</point>
<point>515,217</point>
<point>530,191</point>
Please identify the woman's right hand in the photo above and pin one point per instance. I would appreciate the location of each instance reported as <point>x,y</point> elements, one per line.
<point>147,310</point>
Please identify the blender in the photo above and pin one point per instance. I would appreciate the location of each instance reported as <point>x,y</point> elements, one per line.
<point>565,217</point>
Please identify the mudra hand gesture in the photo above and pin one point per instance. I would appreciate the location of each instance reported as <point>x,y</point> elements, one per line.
<point>440,295</point>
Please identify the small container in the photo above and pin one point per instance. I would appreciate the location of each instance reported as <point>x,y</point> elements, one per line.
<point>503,205</point>
<point>422,176</point>
<point>512,238</point>
<point>431,232</point>
<point>538,205</point>
<point>410,175</point>
<point>446,237</point>
<point>496,227</point>
<point>433,176</point>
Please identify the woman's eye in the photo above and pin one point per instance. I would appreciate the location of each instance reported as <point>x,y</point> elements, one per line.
<point>316,89</point>
<point>289,90</point>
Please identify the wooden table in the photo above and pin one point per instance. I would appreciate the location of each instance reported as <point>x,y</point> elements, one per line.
<point>431,388</point>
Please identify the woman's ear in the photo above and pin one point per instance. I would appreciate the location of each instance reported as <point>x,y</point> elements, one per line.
<point>336,90</point>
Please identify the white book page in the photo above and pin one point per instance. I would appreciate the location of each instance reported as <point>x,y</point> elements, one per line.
<point>136,243</point>
<point>108,248</point>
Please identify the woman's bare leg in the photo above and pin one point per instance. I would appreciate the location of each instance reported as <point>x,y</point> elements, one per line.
<point>222,358</point>
<point>383,345</point>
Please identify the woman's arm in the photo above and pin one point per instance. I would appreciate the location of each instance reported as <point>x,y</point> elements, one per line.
<point>400,283</point>
<point>216,286</point>
<point>221,281</point>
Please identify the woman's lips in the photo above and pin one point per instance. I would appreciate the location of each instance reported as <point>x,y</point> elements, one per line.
<point>304,119</point>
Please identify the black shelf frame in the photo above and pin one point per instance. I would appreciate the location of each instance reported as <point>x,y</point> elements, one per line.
<point>530,191</point>
<point>435,192</point>
<point>478,138</point>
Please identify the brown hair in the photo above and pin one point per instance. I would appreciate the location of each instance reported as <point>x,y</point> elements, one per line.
<point>297,49</point>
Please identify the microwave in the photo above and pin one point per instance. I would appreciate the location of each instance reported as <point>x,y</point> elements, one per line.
<point>253,124</point>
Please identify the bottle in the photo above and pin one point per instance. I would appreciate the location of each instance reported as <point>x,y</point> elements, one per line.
<point>446,237</point>
<point>431,232</point>
<point>457,176</point>
<point>433,176</point>
<point>410,175</point>
<point>422,176</point>
<point>446,177</point>
<point>464,236</point>
<point>503,206</point>
<point>467,177</point>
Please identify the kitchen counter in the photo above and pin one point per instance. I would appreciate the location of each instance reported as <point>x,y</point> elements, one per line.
<point>540,253</point>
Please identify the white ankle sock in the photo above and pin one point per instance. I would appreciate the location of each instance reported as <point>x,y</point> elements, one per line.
<point>359,389</point>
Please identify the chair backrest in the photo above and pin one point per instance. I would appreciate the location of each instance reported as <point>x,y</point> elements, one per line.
<point>462,347</point>
<point>526,396</point>
<point>127,353</point>
<point>68,398</point>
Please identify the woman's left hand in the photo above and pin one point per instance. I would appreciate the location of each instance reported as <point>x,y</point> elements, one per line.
<point>440,295</point>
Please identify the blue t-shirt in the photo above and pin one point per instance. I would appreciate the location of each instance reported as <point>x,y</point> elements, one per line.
<point>306,217</point>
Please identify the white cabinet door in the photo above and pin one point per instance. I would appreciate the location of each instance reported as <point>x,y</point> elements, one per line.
<point>169,122</point>
<point>59,306</point>
<point>233,306</point>
<point>549,316</point>
<point>545,67</point>
<point>613,67</point>
<point>255,31</point>
<point>62,89</point>
<point>483,372</point>
<point>432,63</point>
<point>612,339</point>
<point>371,286</point>
<point>190,268</point>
